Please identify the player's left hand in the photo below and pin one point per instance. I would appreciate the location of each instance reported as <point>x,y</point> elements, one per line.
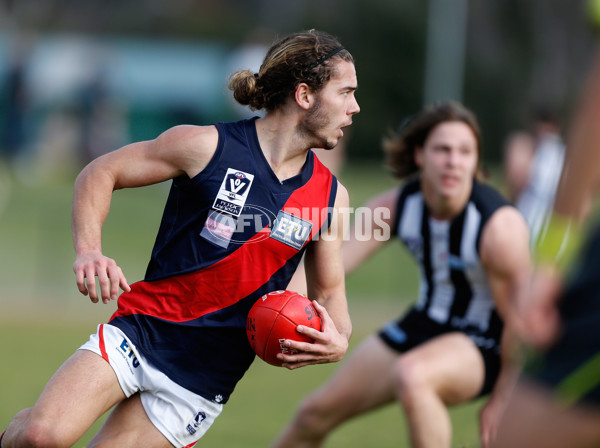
<point>328,346</point>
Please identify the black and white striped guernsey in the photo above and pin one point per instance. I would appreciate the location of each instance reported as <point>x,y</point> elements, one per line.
<point>454,289</point>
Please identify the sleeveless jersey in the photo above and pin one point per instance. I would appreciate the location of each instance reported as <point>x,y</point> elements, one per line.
<point>229,235</point>
<point>454,290</point>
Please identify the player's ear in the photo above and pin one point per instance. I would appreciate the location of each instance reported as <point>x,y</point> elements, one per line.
<point>303,96</point>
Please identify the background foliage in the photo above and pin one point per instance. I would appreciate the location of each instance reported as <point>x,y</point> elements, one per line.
<point>519,54</point>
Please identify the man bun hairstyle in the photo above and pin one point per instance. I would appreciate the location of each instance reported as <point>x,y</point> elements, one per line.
<point>305,57</point>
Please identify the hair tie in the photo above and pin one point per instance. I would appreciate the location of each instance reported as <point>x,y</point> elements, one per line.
<point>324,58</point>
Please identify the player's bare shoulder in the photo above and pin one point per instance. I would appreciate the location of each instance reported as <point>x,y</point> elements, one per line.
<point>191,147</point>
<point>342,198</point>
<point>505,225</point>
<point>505,238</point>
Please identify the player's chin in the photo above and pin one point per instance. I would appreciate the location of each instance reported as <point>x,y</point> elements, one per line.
<point>330,143</point>
<point>452,189</point>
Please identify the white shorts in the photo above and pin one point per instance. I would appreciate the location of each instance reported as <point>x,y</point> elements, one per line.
<point>180,415</point>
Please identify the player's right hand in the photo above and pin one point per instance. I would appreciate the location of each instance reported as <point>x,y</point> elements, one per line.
<point>537,319</point>
<point>328,344</point>
<point>92,264</point>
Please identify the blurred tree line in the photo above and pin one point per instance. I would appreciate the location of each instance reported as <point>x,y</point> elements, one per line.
<point>519,54</point>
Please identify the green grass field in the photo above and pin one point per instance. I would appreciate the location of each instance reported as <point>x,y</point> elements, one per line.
<point>44,318</point>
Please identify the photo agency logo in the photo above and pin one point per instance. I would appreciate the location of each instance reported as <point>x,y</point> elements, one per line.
<point>294,226</point>
<point>253,223</point>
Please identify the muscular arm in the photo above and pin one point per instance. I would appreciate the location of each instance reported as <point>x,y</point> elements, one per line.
<point>325,269</point>
<point>179,150</point>
<point>505,255</point>
<point>326,284</point>
<point>506,258</point>
<point>350,249</point>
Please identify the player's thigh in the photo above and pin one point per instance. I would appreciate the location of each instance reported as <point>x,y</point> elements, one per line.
<point>450,364</point>
<point>363,381</point>
<point>129,425</point>
<point>533,418</point>
<point>80,391</point>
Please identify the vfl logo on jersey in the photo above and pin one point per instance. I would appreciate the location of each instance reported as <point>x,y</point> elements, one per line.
<point>233,192</point>
<point>291,230</point>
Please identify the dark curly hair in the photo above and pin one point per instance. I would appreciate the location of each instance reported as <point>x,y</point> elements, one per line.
<point>304,57</point>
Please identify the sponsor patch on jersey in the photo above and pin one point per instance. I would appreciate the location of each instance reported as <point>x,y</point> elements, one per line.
<point>219,228</point>
<point>395,333</point>
<point>458,264</point>
<point>233,192</point>
<point>291,230</point>
<point>128,355</point>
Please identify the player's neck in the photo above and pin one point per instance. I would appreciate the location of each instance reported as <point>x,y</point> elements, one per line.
<point>284,152</point>
<point>445,208</point>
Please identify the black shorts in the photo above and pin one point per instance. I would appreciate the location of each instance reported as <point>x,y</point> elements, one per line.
<point>571,367</point>
<point>416,328</point>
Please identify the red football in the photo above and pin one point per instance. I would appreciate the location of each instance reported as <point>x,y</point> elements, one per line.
<point>274,317</point>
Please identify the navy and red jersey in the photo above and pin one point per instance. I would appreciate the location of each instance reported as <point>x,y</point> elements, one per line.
<point>229,235</point>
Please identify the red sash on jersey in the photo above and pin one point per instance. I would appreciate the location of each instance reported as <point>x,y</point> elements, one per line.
<point>189,296</point>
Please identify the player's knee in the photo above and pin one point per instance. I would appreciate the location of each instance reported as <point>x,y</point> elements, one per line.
<point>36,434</point>
<point>313,416</point>
<point>409,379</point>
